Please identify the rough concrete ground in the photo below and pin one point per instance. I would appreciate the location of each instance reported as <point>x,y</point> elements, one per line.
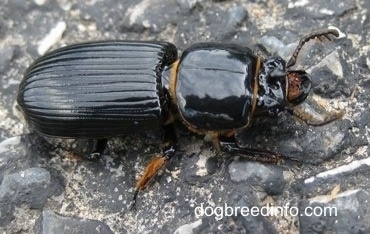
<point>46,190</point>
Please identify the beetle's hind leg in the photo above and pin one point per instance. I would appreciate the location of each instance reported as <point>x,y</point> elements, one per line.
<point>169,148</point>
<point>229,144</point>
<point>99,148</point>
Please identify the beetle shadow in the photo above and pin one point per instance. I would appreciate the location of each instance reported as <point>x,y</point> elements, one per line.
<point>111,175</point>
<point>295,140</point>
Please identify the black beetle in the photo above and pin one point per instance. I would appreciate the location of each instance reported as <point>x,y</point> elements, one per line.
<point>111,88</point>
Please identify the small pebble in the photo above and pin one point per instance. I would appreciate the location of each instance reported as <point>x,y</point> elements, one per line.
<point>52,38</point>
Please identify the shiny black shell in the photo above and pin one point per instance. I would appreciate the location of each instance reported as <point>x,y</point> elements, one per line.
<point>97,89</point>
<point>214,88</point>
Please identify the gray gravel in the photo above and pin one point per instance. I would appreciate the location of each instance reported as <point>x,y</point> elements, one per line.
<point>45,188</point>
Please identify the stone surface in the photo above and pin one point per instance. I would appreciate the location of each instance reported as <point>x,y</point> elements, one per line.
<point>47,185</point>
<point>6,55</point>
<point>345,212</point>
<point>31,187</point>
<point>318,9</point>
<point>269,177</point>
<point>50,222</point>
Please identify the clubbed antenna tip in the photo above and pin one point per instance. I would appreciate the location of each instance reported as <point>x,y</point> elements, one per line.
<point>321,35</point>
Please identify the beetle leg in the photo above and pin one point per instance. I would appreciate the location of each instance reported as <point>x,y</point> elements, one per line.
<point>100,146</point>
<point>321,35</point>
<point>315,119</point>
<point>213,137</point>
<point>260,155</point>
<point>158,162</point>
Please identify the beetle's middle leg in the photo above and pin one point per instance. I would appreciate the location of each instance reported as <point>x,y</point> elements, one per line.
<point>229,144</point>
<point>169,147</point>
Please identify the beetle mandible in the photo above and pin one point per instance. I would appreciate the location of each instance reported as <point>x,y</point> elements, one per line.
<point>111,88</point>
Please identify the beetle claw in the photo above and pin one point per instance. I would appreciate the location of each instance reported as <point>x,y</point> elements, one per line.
<point>94,155</point>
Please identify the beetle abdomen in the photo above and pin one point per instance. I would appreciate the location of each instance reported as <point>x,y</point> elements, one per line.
<point>214,88</point>
<point>96,89</point>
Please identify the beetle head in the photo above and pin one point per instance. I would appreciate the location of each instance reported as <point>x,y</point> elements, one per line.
<point>298,87</point>
<point>279,87</point>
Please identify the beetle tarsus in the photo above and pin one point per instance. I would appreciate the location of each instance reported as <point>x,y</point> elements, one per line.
<point>321,35</point>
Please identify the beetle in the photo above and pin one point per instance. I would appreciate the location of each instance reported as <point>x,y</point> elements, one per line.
<point>105,89</point>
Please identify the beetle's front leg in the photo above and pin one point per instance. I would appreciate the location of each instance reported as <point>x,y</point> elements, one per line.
<point>229,144</point>
<point>314,119</point>
<point>169,148</point>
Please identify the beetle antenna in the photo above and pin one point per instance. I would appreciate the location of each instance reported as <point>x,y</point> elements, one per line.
<point>321,35</point>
